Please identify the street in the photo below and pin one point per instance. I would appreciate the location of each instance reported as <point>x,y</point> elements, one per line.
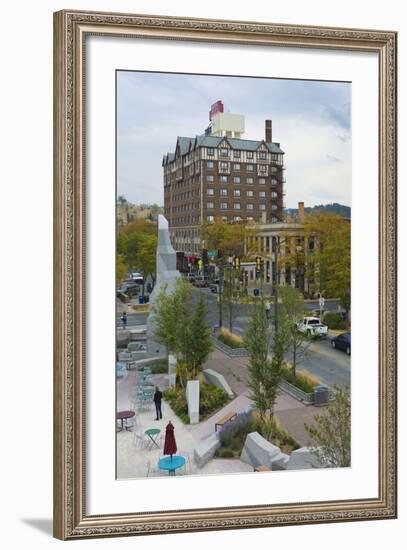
<point>331,366</point>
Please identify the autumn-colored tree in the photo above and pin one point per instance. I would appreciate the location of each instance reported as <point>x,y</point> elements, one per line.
<point>330,260</point>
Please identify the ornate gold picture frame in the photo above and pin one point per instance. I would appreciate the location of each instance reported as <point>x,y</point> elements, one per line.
<point>71,31</point>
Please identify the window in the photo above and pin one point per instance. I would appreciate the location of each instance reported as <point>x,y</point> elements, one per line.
<point>224,166</point>
<point>224,152</point>
<point>274,194</point>
<point>210,164</point>
<point>236,179</point>
<point>249,167</point>
<point>224,218</point>
<point>274,181</point>
<point>262,194</point>
<point>250,219</point>
<point>236,167</point>
<point>236,192</point>
<point>250,181</point>
<point>210,205</point>
<point>223,179</point>
<point>236,205</point>
<point>250,193</point>
<point>236,154</point>
<point>250,206</point>
<point>263,168</point>
<point>249,154</point>
<point>223,205</point>
<point>274,219</point>
<point>210,179</point>
<point>210,218</point>
<point>262,181</point>
<point>274,169</point>
<point>237,218</point>
<point>262,207</point>
<point>274,207</point>
<point>211,151</point>
<point>262,155</point>
<point>210,191</point>
<point>223,192</point>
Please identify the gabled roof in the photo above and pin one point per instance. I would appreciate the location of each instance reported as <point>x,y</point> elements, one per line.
<point>186,144</point>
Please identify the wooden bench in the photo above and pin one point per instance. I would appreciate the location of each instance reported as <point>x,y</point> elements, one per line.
<point>227,418</point>
<point>262,468</point>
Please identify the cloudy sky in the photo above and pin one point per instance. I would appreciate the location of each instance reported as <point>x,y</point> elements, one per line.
<point>311,120</point>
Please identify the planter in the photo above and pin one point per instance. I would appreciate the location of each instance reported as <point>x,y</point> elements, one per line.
<point>232,352</point>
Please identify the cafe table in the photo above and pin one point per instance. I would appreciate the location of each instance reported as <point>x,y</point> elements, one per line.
<point>153,433</point>
<point>171,463</point>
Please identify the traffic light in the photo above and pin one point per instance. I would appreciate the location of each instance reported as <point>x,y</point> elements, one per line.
<point>258,264</point>
<point>236,263</point>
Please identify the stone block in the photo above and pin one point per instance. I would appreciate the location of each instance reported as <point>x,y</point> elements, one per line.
<point>258,451</point>
<point>192,397</point>
<point>218,380</point>
<point>303,459</point>
<point>280,462</point>
<point>172,370</point>
<point>206,450</point>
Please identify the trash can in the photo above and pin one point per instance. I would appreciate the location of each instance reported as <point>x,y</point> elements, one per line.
<point>141,299</point>
<point>321,395</point>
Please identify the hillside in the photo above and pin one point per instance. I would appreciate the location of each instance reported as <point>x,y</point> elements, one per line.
<point>335,207</point>
<point>127,212</point>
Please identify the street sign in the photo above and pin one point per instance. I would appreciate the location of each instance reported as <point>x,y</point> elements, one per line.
<point>212,254</point>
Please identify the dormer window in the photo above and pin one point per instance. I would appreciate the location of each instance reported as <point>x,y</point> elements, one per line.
<point>224,152</point>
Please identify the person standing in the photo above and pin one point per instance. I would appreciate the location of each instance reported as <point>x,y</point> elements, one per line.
<point>124,319</point>
<point>157,401</point>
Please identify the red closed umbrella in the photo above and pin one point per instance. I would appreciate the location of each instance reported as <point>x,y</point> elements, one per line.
<point>170,445</point>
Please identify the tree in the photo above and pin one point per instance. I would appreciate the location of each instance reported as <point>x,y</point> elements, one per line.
<point>330,436</point>
<point>200,339</point>
<point>121,268</point>
<point>291,308</point>
<point>181,327</point>
<point>264,372</point>
<point>329,261</point>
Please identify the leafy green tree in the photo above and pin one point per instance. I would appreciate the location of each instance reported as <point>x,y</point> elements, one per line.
<point>331,433</point>
<point>264,372</point>
<point>200,339</point>
<point>121,268</point>
<point>291,308</point>
<point>181,327</point>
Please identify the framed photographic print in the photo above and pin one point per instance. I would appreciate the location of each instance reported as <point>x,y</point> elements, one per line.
<point>225,274</point>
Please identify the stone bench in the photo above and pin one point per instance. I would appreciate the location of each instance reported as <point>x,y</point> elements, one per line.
<point>206,450</point>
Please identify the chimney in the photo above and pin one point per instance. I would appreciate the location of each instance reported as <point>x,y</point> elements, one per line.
<point>301,213</point>
<point>268,133</point>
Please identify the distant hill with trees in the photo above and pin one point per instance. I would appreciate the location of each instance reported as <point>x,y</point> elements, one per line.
<point>127,212</point>
<point>335,208</point>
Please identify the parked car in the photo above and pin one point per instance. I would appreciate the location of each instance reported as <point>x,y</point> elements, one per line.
<point>312,326</point>
<point>342,341</point>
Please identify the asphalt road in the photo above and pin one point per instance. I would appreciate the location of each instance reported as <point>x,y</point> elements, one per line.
<point>330,365</point>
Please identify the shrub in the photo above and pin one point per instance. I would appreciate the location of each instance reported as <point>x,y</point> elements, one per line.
<point>225,453</point>
<point>303,379</point>
<point>334,320</point>
<point>211,399</point>
<point>230,339</point>
<point>159,366</point>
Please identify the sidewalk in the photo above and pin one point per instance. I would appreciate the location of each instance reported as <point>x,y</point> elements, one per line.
<point>291,413</point>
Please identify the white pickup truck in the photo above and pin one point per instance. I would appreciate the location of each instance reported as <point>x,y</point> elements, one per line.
<point>312,326</point>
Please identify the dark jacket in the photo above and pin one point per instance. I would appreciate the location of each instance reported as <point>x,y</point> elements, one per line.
<point>157,396</point>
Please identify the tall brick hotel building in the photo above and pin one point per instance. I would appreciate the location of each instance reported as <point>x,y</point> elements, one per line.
<point>221,175</point>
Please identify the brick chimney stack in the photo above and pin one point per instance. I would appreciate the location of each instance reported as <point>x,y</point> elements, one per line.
<point>268,132</point>
<point>301,212</point>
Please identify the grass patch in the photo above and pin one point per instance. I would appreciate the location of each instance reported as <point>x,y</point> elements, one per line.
<point>211,399</point>
<point>232,340</point>
<point>302,380</point>
<point>233,435</point>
